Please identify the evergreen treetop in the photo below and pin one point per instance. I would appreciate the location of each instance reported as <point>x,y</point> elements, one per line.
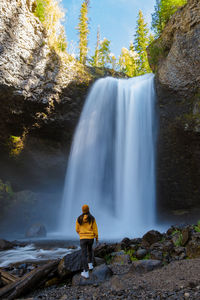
<point>141,42</point>
<point>83,30</point>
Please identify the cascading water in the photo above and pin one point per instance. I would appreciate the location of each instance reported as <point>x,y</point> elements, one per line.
<point>112,161</point>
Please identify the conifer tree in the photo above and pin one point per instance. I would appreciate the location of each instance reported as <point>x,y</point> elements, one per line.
<point>83,31</point>
<point>94,61</point>
<point>141,43</point>
<point>164,9</point>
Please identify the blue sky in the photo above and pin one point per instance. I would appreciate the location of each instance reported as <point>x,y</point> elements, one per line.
<point>116,18</point>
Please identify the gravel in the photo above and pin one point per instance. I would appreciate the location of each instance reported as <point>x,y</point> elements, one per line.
<point>177,281</point>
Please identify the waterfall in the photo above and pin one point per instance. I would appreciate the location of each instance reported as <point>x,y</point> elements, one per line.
<point>111,166</point>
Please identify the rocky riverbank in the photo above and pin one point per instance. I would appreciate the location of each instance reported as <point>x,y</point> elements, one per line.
<point>155,266</point>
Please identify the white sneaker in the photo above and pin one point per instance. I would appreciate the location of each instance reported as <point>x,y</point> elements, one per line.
<point>85,274</point>
<point>90,266</point>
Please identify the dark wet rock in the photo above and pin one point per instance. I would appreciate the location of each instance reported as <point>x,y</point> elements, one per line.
<point>141,253</point>
<point>193,247</point>
<point>36,230</point>
<point>98,275</point>
<point>6,245</point>
<point>98,261</point>
<point>185,236</point>
<point>104,249</point>
<point>151,237</point>
<point>70,263</point>
<point>144,266</point>
<point>136,241</point>
<point>1,282</point>
<point>120,258</point>
<point>179,250</point>
<point>157,255</point>
<point>168,246</point>
<point>125,243</point>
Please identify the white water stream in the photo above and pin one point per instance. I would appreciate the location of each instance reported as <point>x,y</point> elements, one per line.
<point>30,253</point>
<point>112,162</point>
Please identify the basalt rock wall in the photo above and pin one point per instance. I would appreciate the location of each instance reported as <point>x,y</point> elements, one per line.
<point>41,96</point>
<point>42,93</point>
<point>175,57</point>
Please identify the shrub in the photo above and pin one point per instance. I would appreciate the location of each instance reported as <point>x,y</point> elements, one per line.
<point>197,228</point>
<point>179,240</point>
<point>40,10</point>
<point>131,253</point>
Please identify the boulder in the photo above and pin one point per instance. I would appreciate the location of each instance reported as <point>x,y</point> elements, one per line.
<point>98,261</point>
<point>141,253</point>
<point>156,255</point>
<point>193,247</point>
<point>1,282</point>
<point>120,258</point>
<point>104,249</point>
<point>6,245</point>
<point>98,275</point>
<point>125,243</point>
<point>36,230</point>
<point>70,263</point>
<point>185,236</point>
<point>151,237</point>
<point>143,266</point>
<point>136,241</point>
<point>168,246</point>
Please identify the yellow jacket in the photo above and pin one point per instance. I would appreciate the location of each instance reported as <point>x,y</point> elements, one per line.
<point>87,230</point>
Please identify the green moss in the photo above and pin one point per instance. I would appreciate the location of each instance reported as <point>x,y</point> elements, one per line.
<point>179,240</point>
<point>108,258</point>
<point>6,189</point>
<point>131,253</point>
<point>147,256</point>
<point>156,52</point>
<point>16,145</point>
<point>197,228</point>
<point>40,10</point>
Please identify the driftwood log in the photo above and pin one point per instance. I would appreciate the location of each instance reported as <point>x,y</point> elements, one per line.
<point>7,278</point>
<point>27,282</point>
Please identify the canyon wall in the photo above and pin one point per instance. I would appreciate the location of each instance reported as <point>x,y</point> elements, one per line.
<point>175,57</point>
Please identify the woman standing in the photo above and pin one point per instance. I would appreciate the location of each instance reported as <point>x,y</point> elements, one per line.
<point>86,227</point>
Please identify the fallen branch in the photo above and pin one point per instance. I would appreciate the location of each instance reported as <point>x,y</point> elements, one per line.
<point>7,278</point>
<point>27,282</point>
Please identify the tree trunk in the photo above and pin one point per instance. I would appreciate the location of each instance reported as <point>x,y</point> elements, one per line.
<point>28,281</point>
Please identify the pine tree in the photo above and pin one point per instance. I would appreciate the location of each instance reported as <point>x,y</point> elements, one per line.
<point>83,31</point>
<point>141,43</point>
<point>164,9</point>
<point>94,61</point>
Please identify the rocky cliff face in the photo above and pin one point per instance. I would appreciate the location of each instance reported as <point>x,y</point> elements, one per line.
<point>41,95</point>
<point>175,57</point>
